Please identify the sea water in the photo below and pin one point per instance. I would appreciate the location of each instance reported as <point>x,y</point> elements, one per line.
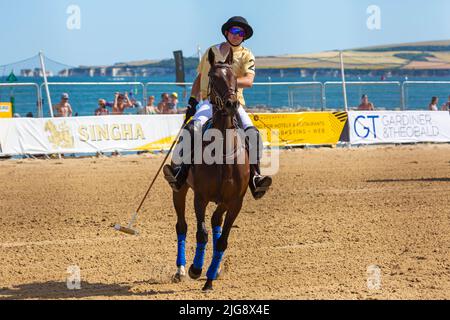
<point>288,97</point>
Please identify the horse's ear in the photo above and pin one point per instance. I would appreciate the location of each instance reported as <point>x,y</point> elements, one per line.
<point>211,58</point>
<point>229,59</point>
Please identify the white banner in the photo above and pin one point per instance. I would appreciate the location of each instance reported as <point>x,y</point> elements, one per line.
<point>369,127</point>
<point>88,134</point>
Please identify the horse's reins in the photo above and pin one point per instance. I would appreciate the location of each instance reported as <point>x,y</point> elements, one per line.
<point>218,100</point>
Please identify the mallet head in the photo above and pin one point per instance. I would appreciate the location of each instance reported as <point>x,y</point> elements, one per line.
<point>126,230</point>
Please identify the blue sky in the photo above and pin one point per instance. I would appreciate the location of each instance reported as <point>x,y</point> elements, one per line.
<point>116,30</point>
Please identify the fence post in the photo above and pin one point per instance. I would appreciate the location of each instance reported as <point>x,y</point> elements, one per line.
<point>44,73</point>
<point>344,88</point>
<point>144,94</point>
<point>402,98</point>
<point>324,99</point>
<point>39,102</point>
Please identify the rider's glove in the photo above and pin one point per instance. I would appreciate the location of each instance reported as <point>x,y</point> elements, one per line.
<point>193,102</point>
<point>191,108</point>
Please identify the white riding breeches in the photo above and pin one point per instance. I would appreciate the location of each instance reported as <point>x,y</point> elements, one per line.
<point>204,113</point>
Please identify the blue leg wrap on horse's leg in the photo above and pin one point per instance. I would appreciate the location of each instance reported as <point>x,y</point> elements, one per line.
<point>199,259</point>
<point>215,264</point>
<point>181,254</point>
<point>217,232</point>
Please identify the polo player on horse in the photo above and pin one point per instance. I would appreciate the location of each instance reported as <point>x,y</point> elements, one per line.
<point>236,30</point>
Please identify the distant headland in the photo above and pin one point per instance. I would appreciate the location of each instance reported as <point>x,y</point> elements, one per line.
<point>410,59</point>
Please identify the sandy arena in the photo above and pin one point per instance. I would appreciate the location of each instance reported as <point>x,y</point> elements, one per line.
<point>330,215</point>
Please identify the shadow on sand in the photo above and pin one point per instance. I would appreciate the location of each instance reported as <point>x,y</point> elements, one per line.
<point>59,290</point>
<point>410,180</point>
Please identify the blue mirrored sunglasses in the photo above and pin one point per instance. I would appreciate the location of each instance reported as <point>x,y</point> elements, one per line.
<point>237,31</point>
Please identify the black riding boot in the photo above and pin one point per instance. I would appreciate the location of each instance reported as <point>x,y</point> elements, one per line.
<point>176,175</point>
<point>258,184</point>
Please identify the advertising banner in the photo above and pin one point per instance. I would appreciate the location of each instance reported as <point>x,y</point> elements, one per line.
<point>372,127</point>
<point>6,110</point>
<point>305,128</point>
<point>88,134</point>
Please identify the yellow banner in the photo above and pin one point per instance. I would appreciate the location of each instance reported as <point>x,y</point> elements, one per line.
<point>6,110</point>
<point>161,144</point>
<point>300,128</point>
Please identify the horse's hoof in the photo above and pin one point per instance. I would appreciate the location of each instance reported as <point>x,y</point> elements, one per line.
<point>179,276</point>
<point>194,273</point>
<point>208,286</point>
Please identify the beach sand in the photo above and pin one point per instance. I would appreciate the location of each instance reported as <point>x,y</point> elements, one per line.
<point>331,214</point>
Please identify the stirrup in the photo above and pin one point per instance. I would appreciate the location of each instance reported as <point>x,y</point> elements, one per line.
<point>263,185</point>
<point>170,177</point>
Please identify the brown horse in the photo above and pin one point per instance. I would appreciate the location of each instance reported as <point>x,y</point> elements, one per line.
<point>224,183</point>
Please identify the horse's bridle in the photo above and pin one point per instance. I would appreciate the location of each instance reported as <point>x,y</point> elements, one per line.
<point>220,99</point>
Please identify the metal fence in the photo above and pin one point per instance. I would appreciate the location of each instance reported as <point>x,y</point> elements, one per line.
<point>282,96</point>
<point>86,94</point>
<point>418,94</point>
<point>25,96</point>
<point>297,95</point>
<point>300,95</point>
<point>155,89</point>
<point>383,94</point>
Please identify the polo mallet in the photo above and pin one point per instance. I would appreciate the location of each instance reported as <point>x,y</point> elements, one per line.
<point>129,228</point>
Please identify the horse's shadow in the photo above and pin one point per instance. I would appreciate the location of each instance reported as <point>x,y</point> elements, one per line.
<point>446,179</point>
<point>59,290</point>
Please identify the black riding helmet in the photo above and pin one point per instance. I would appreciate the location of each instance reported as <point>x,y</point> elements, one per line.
<point>238,21</point>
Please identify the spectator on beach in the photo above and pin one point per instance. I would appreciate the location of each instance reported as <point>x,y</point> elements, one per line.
<point>140,108</point>
<point>121,102</point>
<point>101,110</point>
<point>173,102</point>
<point>163,105</point>
<point>151,108</point>
<point>135,103</point>
<point>63,108</point>
<point>366,105</point>
<point>433,106</point>
<point>446,106</point>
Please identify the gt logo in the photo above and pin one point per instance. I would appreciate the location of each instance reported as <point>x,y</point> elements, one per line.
<point>365,125</point>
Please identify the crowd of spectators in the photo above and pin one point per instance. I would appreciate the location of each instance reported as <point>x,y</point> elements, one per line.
<point>122,101</point>
<point>168,104</point>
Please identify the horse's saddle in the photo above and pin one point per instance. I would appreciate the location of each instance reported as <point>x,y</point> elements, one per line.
<point>237,124</point>
<point>236,120</point>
